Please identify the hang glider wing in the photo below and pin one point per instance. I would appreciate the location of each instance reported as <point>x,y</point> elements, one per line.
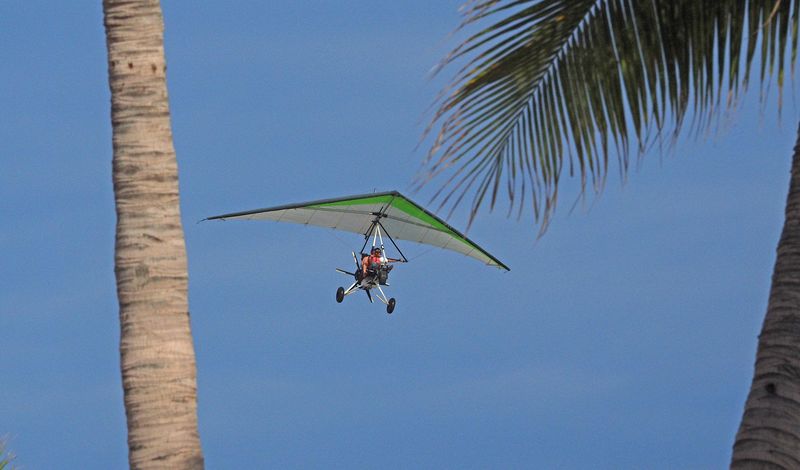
<point>402,218</point>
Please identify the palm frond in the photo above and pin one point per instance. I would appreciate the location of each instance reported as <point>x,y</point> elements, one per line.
<point>555,85</point>
<point>6,457</point>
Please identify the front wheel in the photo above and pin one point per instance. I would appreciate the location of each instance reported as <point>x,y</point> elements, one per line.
<point>390,306</point>
<point>339,294</point>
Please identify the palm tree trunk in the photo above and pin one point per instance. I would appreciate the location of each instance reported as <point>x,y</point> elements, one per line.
<point>157,355</point>
<point>769,435</point>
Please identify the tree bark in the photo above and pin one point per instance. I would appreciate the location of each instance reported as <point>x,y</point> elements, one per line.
<point>157,354</point>
<point>769,434</point>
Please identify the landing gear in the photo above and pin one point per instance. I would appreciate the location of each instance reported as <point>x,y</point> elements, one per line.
<point>339,294</point>
<point>390,306</point>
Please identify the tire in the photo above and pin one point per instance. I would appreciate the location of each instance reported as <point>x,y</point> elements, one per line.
<point>339,294</point>
<point>390,307</point>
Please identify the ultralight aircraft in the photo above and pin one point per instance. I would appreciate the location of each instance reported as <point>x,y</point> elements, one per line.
<point>374,215</point>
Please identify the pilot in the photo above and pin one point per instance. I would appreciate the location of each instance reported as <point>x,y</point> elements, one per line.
<point>371,262</point>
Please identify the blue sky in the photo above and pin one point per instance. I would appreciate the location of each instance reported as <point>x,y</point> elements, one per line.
<point>624,338</point>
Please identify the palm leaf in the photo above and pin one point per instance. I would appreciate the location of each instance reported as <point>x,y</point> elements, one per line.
<point>555,85</point>
<point>6,457</point>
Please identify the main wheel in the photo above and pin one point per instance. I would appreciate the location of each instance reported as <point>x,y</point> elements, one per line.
<point>340,294</point>
<point>390,307</point>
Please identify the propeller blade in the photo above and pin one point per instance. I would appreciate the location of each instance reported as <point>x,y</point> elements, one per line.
<point>369,295</point>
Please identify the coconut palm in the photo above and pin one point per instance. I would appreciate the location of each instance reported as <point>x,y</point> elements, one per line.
<point>157,355</point>
<point>555,86</point>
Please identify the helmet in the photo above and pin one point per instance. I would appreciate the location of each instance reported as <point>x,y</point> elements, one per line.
<point>375,248</point>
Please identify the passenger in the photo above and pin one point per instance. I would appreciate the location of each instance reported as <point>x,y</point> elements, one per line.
<point>377,265</point>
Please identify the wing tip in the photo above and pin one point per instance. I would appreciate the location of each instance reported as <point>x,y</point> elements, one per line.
<point>502,266</point>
